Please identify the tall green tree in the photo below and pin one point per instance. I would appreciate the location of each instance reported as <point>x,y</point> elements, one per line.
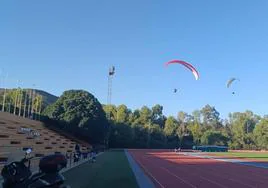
<point>197,116</point>
<point>211,137</point>
<point>110,111</point>
<point>211,117</point>
<point>157,115</point>
<point>242,126</point>
<point>196,131</point>
<point>122,115</point>
<point>261,134</point>
<point>81,113</point>
<point>145,115</point>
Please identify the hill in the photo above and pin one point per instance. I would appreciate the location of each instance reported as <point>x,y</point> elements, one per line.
<point>47,97</point>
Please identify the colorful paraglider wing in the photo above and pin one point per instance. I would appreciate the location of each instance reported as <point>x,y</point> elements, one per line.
<point>187,65</point>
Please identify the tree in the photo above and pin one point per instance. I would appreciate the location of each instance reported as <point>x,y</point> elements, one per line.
<point>196,131</point>
<point>81,113</point>
<point>121,136</point>
<point>197,116</point>
<point>261,134</point>
<point>171,125</point>
<point>110,111</point>
<point>211,117</point>
<point>170,130</point>
<point>145,115</point>
<point>242,126</point>
<point>211,137</point>
<point>140,136</point>
<point>122,114</point>
<point>156,138</point>
<point>157,115</point>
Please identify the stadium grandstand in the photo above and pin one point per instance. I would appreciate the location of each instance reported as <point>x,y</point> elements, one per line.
<point>18,134</point>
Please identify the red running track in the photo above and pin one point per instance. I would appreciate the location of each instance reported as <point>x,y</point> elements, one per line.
<point>170,170</point>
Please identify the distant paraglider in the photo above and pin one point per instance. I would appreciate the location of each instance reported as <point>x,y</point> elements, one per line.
<point>187,65</point>
<point>230,82</point>
<point>175,90</point>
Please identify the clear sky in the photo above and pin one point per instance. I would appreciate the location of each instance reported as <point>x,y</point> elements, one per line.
<point>61,45</point>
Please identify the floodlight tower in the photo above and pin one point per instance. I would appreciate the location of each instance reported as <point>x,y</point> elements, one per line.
<point>110,79</point>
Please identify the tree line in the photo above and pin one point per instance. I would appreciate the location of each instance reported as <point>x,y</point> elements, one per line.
<point>149,128</point>
<point>81,114</point>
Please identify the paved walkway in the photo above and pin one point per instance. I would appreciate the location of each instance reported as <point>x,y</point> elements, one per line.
<point>142,179</point>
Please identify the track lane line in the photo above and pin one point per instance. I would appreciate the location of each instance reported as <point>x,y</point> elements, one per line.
<point>182,180</point>
<point>204,178</point>
<point>238,167</point>
<point>218,176</point>
<point>147,171</point>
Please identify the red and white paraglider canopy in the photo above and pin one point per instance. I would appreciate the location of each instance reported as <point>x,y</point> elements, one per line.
<point>187,65</point>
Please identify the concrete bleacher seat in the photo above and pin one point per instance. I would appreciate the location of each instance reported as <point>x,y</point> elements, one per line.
<point>50,140</point>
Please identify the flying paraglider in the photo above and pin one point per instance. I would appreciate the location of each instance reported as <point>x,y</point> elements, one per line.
<point>187,65</point>
<point>230,82</point>
<point>175,90</point>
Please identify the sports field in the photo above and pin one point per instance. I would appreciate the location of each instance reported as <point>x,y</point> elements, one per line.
<point>110,170</point>
<point>171,170</point>
<point>257,156</point>
<point>168,169</point>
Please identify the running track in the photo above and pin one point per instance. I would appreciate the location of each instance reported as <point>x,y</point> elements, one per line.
<point>170,170</point>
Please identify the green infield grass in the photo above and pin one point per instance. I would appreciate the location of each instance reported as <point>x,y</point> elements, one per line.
<point>111,170</point>
<point>247,155</point>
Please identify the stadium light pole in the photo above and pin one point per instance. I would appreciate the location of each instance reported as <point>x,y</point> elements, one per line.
<point>109,100</point>
<point>109,95</point>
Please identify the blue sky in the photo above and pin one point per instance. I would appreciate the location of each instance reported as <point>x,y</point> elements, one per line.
<point>61,45</point>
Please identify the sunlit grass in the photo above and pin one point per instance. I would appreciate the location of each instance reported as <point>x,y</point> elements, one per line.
<point>246,155</point>
<point>110,170</point>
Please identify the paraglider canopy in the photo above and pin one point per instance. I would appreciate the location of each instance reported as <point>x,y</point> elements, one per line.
<point>229,83</point>
<point>187,65</point>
